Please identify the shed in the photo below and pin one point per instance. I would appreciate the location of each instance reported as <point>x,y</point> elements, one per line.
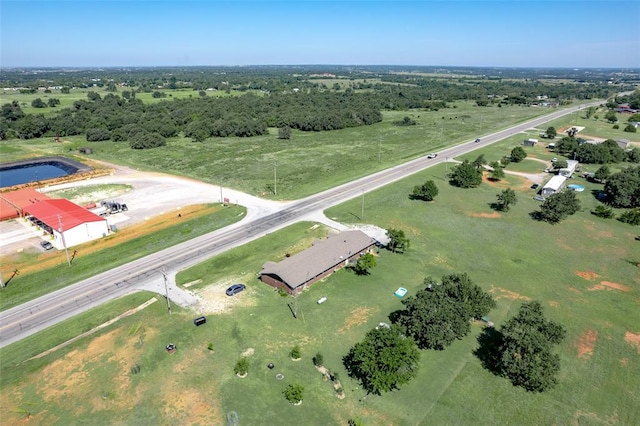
<point>530,142</point>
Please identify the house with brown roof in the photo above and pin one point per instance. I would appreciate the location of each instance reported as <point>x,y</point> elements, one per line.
<point>295,273</point>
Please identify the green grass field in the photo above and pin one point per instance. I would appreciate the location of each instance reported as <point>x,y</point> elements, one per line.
<point>307,163</point>
<point>583,270</point>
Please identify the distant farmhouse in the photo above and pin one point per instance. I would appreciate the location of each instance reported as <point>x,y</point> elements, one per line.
<point>324,257</point>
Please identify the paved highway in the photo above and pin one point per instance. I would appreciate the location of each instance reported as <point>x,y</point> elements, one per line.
<point>31,317</point>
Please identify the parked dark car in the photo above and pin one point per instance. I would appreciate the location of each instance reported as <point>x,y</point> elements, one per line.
<point>46,245</point>
<point>535,186</point>
<point>235,289</point>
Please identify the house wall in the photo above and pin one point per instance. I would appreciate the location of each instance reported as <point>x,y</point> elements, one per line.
<point>81,234</point>
<point>276,283</point>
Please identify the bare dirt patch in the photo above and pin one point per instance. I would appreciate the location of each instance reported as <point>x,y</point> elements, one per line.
<point>633,339</point>
<point>504,184</point>
<point>586,343</point>
<point>587,275</point>
<point>214,300</point>
<point>575,290</point>
<point>553,304</point>
<point>503,293</point>
<point>624,362</point>
<point>492,215</point>
<point>248,352</point>
<point>608,285</point>
<point>357,316</point>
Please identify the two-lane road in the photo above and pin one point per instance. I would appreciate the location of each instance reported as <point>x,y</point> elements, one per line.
<point>33,316</point>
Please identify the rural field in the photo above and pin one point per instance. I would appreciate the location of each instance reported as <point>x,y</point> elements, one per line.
<point>307,163</point>
<point>583,270</point>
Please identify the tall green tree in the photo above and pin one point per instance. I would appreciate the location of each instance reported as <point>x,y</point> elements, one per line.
<point>559,205</point>
<point>398,241</point>
<point>385,360</point>
<point>497,171</point>
<point>426,192</point>
<point>364,264</point>
<point>526,350</point>
<point>465,175</point>
<point>602,173</point>
<point>623,188</point>
<point>440,313</point>
<point>506,199</point>
<point>551,132</point>
<point>518,154</point>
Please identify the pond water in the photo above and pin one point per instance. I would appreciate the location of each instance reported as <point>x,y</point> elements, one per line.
<point>17,175</point>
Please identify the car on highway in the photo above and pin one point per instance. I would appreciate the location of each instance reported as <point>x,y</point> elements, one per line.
<point>432,155</point>
<point>477,140</point>
<point>235,289</point>
<point>46,245</point>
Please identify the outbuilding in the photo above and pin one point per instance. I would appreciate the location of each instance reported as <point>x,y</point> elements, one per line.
<point>69,223</point>
<point>323,258</point>
<point>530,142</point>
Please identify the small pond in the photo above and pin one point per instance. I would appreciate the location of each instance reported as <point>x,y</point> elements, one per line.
<point>36,170</point>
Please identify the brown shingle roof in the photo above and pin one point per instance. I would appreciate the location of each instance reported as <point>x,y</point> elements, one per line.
<point>322,256</point>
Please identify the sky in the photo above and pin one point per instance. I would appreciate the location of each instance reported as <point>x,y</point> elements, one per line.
<point>543,33</point>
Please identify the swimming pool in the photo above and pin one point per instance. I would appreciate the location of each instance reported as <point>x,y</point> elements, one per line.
<point>576,187</point>
<point>37,169</point>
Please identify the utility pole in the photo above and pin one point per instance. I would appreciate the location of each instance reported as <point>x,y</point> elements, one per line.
<point>446,165</point>
<point>362,212</point>
<point>166,291</point>
<point>275,177</point>
<point>221,199</point>
<point>64,243</point>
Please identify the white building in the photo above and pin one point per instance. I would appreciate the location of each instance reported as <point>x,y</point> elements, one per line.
<point>568,171</point>
<point>554,185</point>
<point>69,223</point>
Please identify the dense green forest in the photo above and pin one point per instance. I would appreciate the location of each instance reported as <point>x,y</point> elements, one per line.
<point>305,98</point>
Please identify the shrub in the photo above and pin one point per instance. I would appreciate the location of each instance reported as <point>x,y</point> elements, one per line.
<point>318,360</point>
<point>630,128</point>
<point>242,367</point>
<point>632,217</point>
<point>603,211</point>
<point>294,393</point>
<point>295,352</point>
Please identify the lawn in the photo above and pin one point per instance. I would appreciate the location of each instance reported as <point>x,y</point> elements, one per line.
<point>583,270</point>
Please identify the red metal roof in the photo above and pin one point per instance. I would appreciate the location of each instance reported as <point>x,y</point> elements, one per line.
<point>13,202</point>
<point>60,211</point>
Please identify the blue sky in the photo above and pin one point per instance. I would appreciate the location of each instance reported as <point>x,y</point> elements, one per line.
<point>578,33</point>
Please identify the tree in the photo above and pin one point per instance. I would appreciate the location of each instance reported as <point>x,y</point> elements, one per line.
<point>465,175</point>
<point>398,242</point>
<point>633,156</point>
<point>623,188</point>
<point>611,116</point>
<point>53,102</point>
<point>588,113</point>
<point>144,140</point>
<point>318,360</point>
<point>630,128</point>
<point>558,206</point>
<point>157,94</point>
<point>294,393</point>
<point>602,173</point>
<point>479,162</point>
<point>98,134</point>
<point>632,217</point>
<point>384,360</point>
<point>506,199</point>
<point>425,192</point>
<point>518,154</point>
<point>551,132</point>
<point>93,96</point>
<point>603,211</point>
<point>560,164</point>
<point>440,313</point>
<point>111,87</point>
<point>38,103</point>
<point>284,132</point>
<point>364,263</point>
<point>497,171</point>
<point>65,90</point>
<point>526,356</point>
